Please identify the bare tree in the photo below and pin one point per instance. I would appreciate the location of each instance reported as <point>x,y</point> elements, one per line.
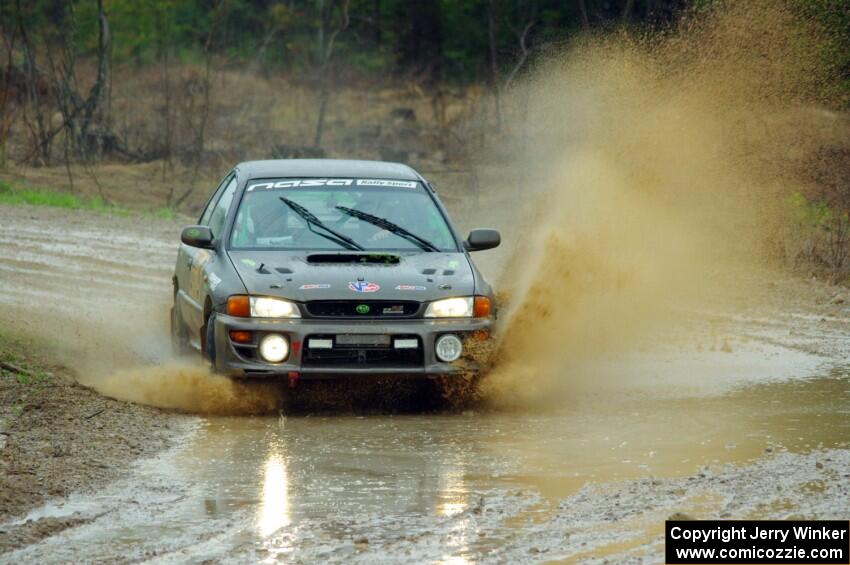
<point>327,9</point>
<point>582,8</point>
<point>37,123</point>
<point>278,18</point>
<point>199,126</point>
<point>7,110</point>
<point>628,7</point>
<point>78,113</point>
<point>493,34</point>
<point>521,19</point>
<point>521,33</point>
<point>163,36</point>
<point>85,130</point>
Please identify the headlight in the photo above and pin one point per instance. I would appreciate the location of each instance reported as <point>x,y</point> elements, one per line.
<point>460,307</point>
<point>261,307</point>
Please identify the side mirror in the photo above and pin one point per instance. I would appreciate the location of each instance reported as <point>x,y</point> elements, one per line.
<point>197,236</point>
<point>481,239</point>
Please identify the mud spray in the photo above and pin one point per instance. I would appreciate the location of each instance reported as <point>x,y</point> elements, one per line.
<point>647,165</point>
<point>139,367</point>
<point>121,348</point>
<point>637,168</point>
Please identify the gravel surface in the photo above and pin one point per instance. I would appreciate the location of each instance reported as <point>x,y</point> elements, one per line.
<point>59,437</point>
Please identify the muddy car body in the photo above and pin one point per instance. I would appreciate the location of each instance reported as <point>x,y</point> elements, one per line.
<point>329,268</point>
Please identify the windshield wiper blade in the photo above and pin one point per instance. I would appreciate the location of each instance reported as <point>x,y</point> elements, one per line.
<point>312,220</point>
<point>383,223</point>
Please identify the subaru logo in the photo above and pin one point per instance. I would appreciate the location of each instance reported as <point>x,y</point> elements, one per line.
<point>362,308</point>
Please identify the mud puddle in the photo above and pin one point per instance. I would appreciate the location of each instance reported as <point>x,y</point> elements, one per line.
<point>464,486</point>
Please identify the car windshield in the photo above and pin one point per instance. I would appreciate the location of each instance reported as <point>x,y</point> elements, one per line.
<point>334,214</point>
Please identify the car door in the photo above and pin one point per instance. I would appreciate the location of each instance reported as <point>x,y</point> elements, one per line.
<point>190,266</point>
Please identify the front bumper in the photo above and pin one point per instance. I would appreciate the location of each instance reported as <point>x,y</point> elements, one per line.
<point>237,359</point>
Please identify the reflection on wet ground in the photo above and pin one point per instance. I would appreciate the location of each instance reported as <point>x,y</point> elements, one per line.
<point>335,486</point>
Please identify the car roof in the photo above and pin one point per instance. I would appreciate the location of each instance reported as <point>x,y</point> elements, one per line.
<point>326,168</point>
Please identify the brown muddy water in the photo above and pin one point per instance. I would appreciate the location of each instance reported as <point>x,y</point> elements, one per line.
<point>652,428</point>
<point>475,486</point>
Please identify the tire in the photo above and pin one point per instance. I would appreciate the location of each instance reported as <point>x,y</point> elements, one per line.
<point>209,341</point>
<point>179,338</point>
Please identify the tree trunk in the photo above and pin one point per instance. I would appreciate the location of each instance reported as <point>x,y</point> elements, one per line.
<point>492,28</point>
<point>96,93</point>
<point>582,8</point>
<point>627,10</point>
<point>40,133</point>
<point>323,108</point>
<point>326,45</point>
<point>376,21</point>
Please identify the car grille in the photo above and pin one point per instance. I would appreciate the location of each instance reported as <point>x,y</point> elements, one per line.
<point>359,355</point>
<point>363,308</point>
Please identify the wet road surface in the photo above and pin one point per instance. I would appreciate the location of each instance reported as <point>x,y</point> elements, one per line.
<point>445,487</point>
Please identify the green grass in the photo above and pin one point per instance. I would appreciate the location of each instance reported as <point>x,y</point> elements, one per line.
<point>12,193</point>
<point>165,213</point>
<point>11,349</point>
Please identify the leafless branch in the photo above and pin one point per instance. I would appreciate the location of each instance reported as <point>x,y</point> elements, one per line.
<point>346,20</point>
<point>39,129</point>
<point>582,8</point>
<point>522,39</point>
<point>325,57</point>
<point>628,7</point>
<point>7,111</point>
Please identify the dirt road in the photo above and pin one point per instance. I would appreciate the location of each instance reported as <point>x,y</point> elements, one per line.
<point>742,415</point>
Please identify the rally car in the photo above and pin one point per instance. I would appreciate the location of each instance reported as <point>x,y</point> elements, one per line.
<point>322,268</point>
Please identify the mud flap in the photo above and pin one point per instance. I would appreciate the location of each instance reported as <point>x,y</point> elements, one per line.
<point>179,338</point>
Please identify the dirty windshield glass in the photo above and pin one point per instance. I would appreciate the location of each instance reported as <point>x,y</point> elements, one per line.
<point>323,214</point>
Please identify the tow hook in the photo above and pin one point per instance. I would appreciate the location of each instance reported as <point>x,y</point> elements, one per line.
<point>292,376</point>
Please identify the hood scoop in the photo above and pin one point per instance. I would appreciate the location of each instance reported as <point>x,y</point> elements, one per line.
<point>283,270</point>
<point>355,258</point>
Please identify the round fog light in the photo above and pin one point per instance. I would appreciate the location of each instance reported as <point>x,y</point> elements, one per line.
<point>448,348</point>
<point>274,348</point>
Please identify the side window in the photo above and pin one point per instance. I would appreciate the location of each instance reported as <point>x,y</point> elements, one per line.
<point>205,217</point>
<point>219,212</point>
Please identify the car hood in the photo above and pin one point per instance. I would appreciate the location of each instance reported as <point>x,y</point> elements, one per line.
<point>303,276</point>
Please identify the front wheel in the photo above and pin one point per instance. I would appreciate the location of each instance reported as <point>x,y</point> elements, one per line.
<point>209,340</point>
